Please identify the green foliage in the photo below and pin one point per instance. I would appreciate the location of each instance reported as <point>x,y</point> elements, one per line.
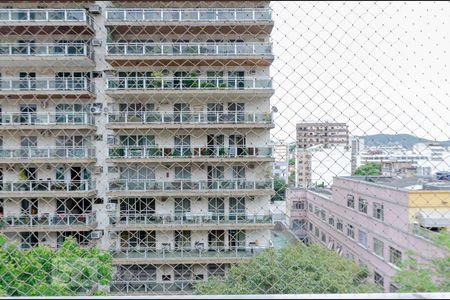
<point>279,186</point>
<point>426,277</point>
<point>41,271</point>
<point>294,269</point>
<point>371,169</point>
<point>292,161</point>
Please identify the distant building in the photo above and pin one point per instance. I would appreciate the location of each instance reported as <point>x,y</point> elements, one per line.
<point>281,163</point>
<point>434,150</point>
<point>357,145</point>
<point>374,221</point>
<point>322,153</point>
<point>322,133</point>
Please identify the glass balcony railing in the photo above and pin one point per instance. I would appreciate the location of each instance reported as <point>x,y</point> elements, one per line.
<point>47,186</point>
<point>59,118</point>
<point>177,186</point>
<point>189,49</point>
<point>200,251</point>
<point>188,218</point>
<point>117,152</point>
<point>188,83</point>
<point>188,15</point>
<point>46,49</point>
<point>141,285</point>
<point>46,84</point>
<point>187,117</point>
<point>49,153</point>
<point>48,220</point>
<point>45,15</point>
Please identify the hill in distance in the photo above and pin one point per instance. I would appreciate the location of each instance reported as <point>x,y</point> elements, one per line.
<point>405,140</point>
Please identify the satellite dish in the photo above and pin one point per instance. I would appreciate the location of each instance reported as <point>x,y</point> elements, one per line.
<point>274,109</point>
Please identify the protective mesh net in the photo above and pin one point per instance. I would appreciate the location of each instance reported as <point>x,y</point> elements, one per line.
<point>178,147</point>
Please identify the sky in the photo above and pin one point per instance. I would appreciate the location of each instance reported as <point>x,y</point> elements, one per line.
<point>381,67</point>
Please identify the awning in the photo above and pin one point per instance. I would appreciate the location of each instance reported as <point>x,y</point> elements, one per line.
<point>433,218</point>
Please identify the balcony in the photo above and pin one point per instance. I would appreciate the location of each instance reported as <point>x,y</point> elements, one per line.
<point>45,21</point>
<point>125,86</point>
<point>47,188</point>
<point>66,155</point>
<point>189,54</point>
<point>200,154</point>
<point>43,88</point>
<point>255,21</point>
<point>190,221</point>
<point>140,187</point>
<point>188,120</point>
<point>57,121</point>
<point>149,285</point>
<point>187,255</point>
<point>48,222</point>
<point>41,54</point>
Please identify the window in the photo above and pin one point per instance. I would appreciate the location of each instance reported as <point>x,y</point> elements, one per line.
<point>378,211</point>
<point>323,215</point>
<point>378,247</point>
<point>316,211</point>
<point>310,206</point>
<point>311,226</point>
<point>316,232</point>
<point>393,288</point>
<point>299,224</point>
<point>378,279</point>
<point>350,201</point>
<point>350,231</point>
<point>395,256</point>
<point>362,205</point>
<point>299,205</point>
<point>340,225</point>
<point>324,238</point>
<point>331,221</point>
<point>362,238</point>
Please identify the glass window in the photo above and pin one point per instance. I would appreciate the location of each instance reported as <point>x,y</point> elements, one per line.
<point>378,247</point>
<point>362,205</point>
<point>350,201</point>
<point>395,256</point>
<point>350,231</point>
<point>378,211</point>
<point>362,238</point>
<point>299,205</point>
<point>378,279</point>
<point>331,221</point>
<point>339,225</point>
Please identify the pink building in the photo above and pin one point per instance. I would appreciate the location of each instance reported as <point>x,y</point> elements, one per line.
<point>373,222</point>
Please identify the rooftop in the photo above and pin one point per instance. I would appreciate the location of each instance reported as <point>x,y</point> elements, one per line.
<point>413,183</point>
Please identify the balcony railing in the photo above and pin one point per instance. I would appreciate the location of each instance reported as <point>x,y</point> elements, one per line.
<point>47,153</point>
<point>59,118</point>
<point>48,220</point>
<point>149,285</point>
<point>188,152</point>
<point>46,84</point>
<point>188,117</point>
<point>45,15</point>
<point>200,251</point>
<point>191,219</point>
<point>189,49</point>
<point>189,15</point>
<point>46,49</point>
<point>47,186</point>
<point>188,83</point>
<point>201,186</point>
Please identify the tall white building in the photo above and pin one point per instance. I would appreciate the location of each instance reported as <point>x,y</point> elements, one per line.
<point>281,161</point>
<point>141,127</point>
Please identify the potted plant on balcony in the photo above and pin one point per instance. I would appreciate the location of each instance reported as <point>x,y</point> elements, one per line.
<point>207,85</point>
<point>192,82</point>
<point>157,81</point>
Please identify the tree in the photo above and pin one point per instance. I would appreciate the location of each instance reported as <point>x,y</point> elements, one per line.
<point>371,169</point>
<point>41,271</point>
<point>279,185</point>
<point>294,269</point>
<point>432,276</point>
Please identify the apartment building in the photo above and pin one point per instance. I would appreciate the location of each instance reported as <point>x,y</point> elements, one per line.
<point>322,133</point>
<point>375,221</point>
<point>141,127</point>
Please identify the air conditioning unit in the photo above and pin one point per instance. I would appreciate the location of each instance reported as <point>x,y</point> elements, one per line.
<point>95,235</point>
<point>96,108</point>
<point>105,109</point>
<point>96,43</point>
<point>112,235</point>
<point>97,74</point>
<point>111,207</point>
<point>95,9</point>
<point>252,72</point>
